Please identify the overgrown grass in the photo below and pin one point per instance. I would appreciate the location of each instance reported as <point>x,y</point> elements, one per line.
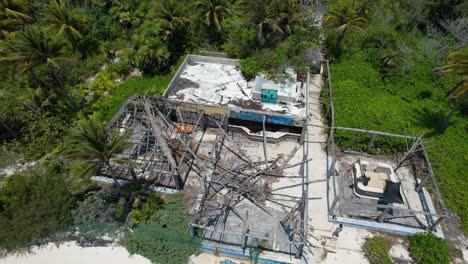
<point>411,105</point>
<point>376,249</point>
<point>426,248</point>
<point>105,107</point>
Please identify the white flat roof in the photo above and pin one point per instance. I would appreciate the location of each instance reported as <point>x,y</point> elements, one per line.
<point>222,84</point>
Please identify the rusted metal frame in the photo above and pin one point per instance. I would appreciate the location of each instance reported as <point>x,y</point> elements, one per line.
<point>189,142</point>
<point>409,153</point>
<point>369,131</point>
<point>161,140</point>
<point>117,115</point>
<point>251,235</point>
<point>381,206</point>
<point>434,181</point>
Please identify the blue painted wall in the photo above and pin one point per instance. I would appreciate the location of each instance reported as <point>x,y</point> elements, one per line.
<point>269,96</point>
<point>258,117</point>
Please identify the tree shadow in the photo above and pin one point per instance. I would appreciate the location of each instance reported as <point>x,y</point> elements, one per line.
<point>432,119</point>
<point>425,94</point>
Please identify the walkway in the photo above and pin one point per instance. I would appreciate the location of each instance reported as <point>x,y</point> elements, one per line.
<point>323,247</point>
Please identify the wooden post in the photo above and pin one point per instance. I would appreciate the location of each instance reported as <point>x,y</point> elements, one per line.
<point>434,226</point>
<point>245,231</point>
<point>303,134</point>
<point>299,250</point>
<point>264,143</point>
<point>383,214</point>
<point>192,230</point>
<point>410,152</point>
<point>423,182</point>
<point>371,143</point>
<point>334,204</point>
<point>161,141</point>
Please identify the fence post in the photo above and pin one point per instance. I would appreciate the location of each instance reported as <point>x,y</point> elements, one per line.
<point>371,142</point>
<point>383,214</point>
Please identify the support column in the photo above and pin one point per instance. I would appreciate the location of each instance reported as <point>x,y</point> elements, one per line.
<point>423,182</point>
<point>383,214</point>
<point>192,230</point>
<point>434,226</point>
<point>304,131</point>
<point>410,152</point>
<point>299,250</point>
<point>264,143</point>
<point>333,206</point>
<point>371,143</point>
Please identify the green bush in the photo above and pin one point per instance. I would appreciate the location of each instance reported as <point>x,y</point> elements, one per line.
<point>143,210</point>
<point>98,215</point>
<point>426,248</point>
<point>164,238</point>
<point>103,82</point>
<point>376,249</point>
<point>105,107</point>
<point>33,206</point>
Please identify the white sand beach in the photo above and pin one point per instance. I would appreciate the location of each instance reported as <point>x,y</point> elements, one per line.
<point>71,253</point>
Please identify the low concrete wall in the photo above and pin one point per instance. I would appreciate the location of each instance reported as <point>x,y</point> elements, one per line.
<point>214,54</point>
<point>176,77</point>
<point>218,60</point>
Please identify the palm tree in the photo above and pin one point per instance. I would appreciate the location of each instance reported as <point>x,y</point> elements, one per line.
<point>174,13</point>
<point>36,100</point>
<point>213,12</point>
<point>264,16</point>
<point>33,47</point>
<point>290,15</point>
<point>67,20</point>
<point>459,66</point>
<point>13,15</point>
<point>345,17</point>
<point>92,143</point>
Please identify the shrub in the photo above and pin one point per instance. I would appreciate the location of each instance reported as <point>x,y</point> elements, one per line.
<point>426,248</point>
<point>164,238</point>
<point>97,215</point>
<point>104,108</point>
<point>103,82</point>
<point>376,249</point>
<point>32,207</point>
<point>144,210</point>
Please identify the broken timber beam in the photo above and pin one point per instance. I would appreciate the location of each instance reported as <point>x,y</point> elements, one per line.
<point>161,141</point>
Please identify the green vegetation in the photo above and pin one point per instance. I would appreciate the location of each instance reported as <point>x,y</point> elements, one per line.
<point>376,249</point>
<point>67,66</point>
<point>33,206</point>
<point>164,238</point>
<point>144,210</point>
<point>383,80</point>
<point>94,145</point>
<point>99,214</point>
<point>426,248</point>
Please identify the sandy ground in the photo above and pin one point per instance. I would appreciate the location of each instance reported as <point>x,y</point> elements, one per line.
<point>71,253</point>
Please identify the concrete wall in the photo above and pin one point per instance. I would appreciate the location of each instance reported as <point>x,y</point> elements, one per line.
<point>176,77</point>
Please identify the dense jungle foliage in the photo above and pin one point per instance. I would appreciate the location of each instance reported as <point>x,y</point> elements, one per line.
<point>68,65</point>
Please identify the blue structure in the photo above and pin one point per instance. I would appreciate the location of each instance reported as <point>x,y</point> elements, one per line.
<point>258,117</point>
<point>269,96</point>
